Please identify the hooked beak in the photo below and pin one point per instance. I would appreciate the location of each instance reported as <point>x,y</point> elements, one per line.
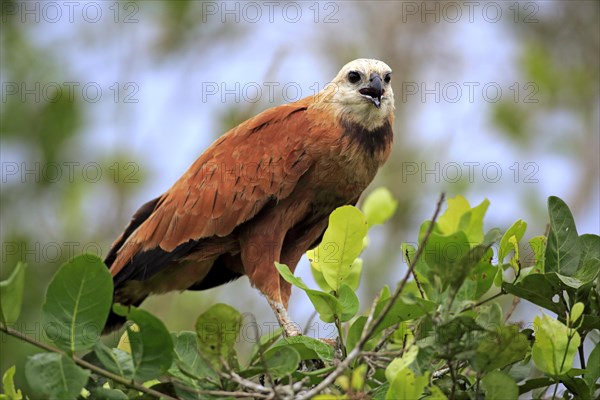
<point>374,90</point>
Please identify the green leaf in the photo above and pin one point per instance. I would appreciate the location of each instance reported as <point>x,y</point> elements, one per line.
<point>589,265</point>
<point>55,376</point>
<point>442,255</point>
<point>185,346</point>
<point>538,245</point>
<point>348,302</point>
<point>436,394</point>
<point>320,279</point>
<point>217,329</point>
<point>500,347</point>
<point>151,346</point>
<point>479,280</point>
<point>553,352</point>
<point>406,386</point>
<point>535,383</point>
<point>379,206</point>
<point>539,289</point>
<point>471,222</point>
<point>355,332</point>
<point>402,311</point>
<point>308,348</point>
<point>77,303</point>
<point>490,317</point>
<point>499,386</point>
<point>516,231</point>
<point>341,245</point>
<point>449,221</point>
<point>263,343</point>
<point>400,363</point>
<point>289,277</point>
<point>11,294</point>
<point>592,371</point>
<point>563,251</point>
<point>9,385</point>
<point>325,304</point>
<point>190,367</point>
<point>101,393</point>
<point>576,312</point>
<point>282,361</point>
<point>115,360</point>
<point>353,278</point>
<point>380,391</point>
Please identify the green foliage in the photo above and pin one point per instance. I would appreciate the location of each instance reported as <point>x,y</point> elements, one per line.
<point>341,245</point>
<point>433,338</point>
<point>11,295</point>
<point>380,206</point>
<point>217,330</point>
<point>55,376</point>
<point>10,393</point>
<point>555,346</point>
<point>500,386</point>
<point>563,250</point>
<point>77,303</point>
<point>151,345</point>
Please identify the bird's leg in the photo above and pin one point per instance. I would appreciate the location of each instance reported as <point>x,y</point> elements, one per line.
<point>290,328</point>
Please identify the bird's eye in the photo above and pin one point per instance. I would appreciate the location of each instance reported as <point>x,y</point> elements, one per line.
<point>387,78</point>
<point>353,76</point>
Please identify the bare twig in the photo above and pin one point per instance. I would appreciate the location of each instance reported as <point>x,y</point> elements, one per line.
<point>220,393</point>
<point>415,277</point>
<point>372,322</point>
<point>482,302</point>
<point>386,336</point>
<point>231,375</point>
<point>261,355</point>
<point>100,371</point>
<point>513,307</point>
<point>453,376</point>
<point>309,322</point>
<point>340,330</point>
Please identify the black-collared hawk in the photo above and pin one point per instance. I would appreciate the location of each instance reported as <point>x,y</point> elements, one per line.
<point>260,193</point>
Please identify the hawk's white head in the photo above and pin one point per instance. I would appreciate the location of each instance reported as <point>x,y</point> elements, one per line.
<point>362,93</point>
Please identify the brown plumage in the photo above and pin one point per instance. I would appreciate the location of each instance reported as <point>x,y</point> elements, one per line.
<point>260,193</point>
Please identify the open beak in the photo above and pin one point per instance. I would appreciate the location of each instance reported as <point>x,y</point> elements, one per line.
<point>374,90</point>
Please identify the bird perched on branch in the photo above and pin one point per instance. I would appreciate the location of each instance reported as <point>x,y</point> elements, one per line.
<point>260,193</point>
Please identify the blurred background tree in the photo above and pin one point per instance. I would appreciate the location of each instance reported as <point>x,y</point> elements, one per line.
<point>105,104</point>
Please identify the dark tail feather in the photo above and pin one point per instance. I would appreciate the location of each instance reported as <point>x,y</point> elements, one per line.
<point>115,321</point>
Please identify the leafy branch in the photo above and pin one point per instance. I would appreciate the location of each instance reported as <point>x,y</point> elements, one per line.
<point>439,334</point>
<point>373,322</point>
<point>100,371</point>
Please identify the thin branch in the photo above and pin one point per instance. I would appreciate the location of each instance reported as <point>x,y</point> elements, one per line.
<point>372,323</point>
<point>453,376</point>
<point>482,302</point>
<point>386,336</point>
<point>414,273</point>
<point>340,330</point>
<point>221,393</point>
<point>261,354</point>
<point>246,383</point>
<point>513,307</point>
<point>478,380</point>
<point>100,371</point>
<point>309,323</point>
